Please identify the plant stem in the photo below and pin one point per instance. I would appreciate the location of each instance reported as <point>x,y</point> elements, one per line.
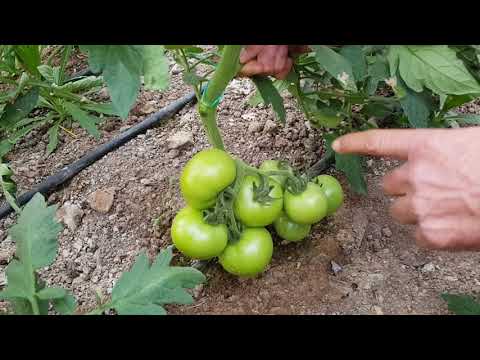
<point>226,70</point>
<point>187,67</point>
<point>34,303</point>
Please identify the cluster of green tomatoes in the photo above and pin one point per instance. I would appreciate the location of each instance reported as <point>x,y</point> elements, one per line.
<point>230,204</point>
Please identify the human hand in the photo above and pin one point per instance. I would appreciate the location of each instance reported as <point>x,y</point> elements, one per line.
<point>271,60</point>
<point>437,188</point>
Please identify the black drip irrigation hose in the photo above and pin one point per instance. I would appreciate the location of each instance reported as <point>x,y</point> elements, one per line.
<point>54,181</point>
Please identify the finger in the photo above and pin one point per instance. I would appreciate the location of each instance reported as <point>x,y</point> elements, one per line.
<point>449,233</point>
<point>284,73</point>
<point>250,52</point>
<point>403,211</point>
<point>267,58</point>
<point>392,142</point>
<point>252,68</point>
<point>396,182</point>
<point>281,57</point>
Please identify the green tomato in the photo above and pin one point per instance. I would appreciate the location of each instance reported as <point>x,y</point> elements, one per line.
<point>275,165</point>
<point>250,255</point>
<point>253,213</point>
<point>205,175</point>
<point>195,238</point>
<point>306,208</point>
<point>289,230</point>
<point>332,190</point>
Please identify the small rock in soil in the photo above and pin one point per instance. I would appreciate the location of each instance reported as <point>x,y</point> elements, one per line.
<point>270,126</point>
<point>6,256</point>
<point>147,182</point>
<point>255,127</point>
<point>71,215</point>
<point>428,267</point>
<point>101,200</point>
<point>387,232</point>
<point>335,267</point>
<point>197,291</point>
<point>180,139</point>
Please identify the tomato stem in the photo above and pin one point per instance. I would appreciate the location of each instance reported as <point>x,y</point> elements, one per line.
<point>226,70</point>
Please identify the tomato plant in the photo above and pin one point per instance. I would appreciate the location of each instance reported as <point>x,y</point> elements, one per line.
<point>205,175</point>
<point>258,208</point>
<point>289,230</point>
<point>250,255</point>
<point>195,238</point>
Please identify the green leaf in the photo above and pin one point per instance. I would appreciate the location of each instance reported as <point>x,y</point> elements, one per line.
<point>51,293</point>
<point>36,234</point>
<point>122,66</point>
<point>462,304</point>
<point>52,138</point>
<point>65,305</point>
<point>19,109</point>
<point>85,121</point>
<point>144,289</point>
<point>47,73</point>
<point>435,67</point>
<point>270,95</point>
<point>351,166</point>
<point>454,101</point>
<point>138,309</point>
<point>464,119</point>
<point>336,65</point>
<point>106,108</point>
<point>417,108</point>
<point>84,84</point>
<point>9,188</point>
<point>29,55</point>
<point>186,48</point>
<point>190,78</point>
<point>377,72</point>
<point>256,99</point>
<point>155,68</point>
<point>354,54</point>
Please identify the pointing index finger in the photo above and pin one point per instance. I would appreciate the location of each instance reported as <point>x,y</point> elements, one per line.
<point>394,143</point>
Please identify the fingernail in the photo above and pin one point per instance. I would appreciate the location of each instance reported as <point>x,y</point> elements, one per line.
<point>336,145</point>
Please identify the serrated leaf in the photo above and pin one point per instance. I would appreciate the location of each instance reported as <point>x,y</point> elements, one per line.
<point>464,119</point>
<point>144,288</point>
<point>270,95</point>
<point>435,67</point>
<point>84,84</point>
<point>155,68</point>
<point>84,120</point>
<point>65,305</point>
<point>9,188</point>
<point>336,65</point>
<point>47,73</point>
<point>35,234</point>
<point>51,293</point>
<point>19,109</point>
<point>355,55</point>
<point>121,66</point>
<point>106,108</point>
<point>462,304</point>
<point>52,139</point>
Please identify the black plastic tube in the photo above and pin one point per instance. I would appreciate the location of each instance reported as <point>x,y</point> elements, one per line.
<point>54,181</point>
